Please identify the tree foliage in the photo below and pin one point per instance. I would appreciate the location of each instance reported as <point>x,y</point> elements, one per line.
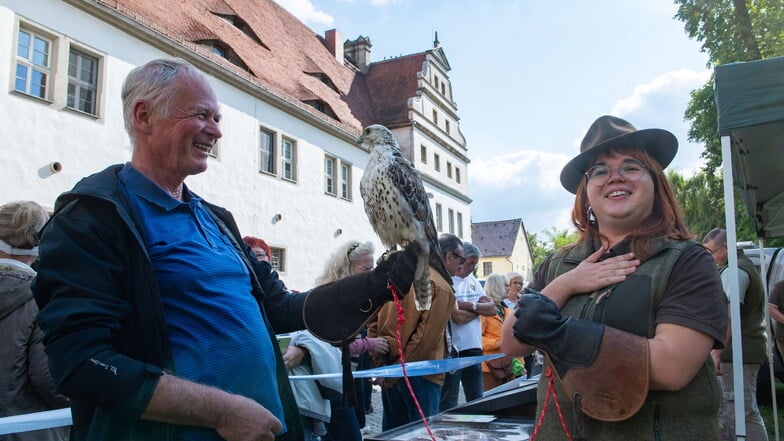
<point>729,31</point>
<point>555,239</point>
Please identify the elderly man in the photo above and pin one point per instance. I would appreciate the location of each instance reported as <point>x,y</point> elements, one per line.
<point>159,322</point>
<point>467,330</point>
<point>752,319</point>
<point>423,336</point>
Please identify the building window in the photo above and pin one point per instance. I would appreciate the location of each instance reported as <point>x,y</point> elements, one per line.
<point>439,218</point>
<point>487,268</point>
<point>459,224</point>
<point>435,81</point>
<point>437,161</point>
<point>443,88</point>
<point>435,117</point>
<point>33,64</point>
<point>345,181</point>
<point>451,215</point>
<point>423,154</point>
<point>82,81</point>
<point>330,167</point>
<point>448,169</point>
<point>288,156</point>
<point>278,261</point>
<point>267,151</point>
<point>446,126</point>
<point>457,175</point>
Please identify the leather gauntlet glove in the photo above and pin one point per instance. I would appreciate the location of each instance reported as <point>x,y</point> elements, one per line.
<point>337,311</point>
<point>604,370</point>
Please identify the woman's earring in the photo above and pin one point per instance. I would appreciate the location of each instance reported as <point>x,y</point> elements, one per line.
<point>591,216</point>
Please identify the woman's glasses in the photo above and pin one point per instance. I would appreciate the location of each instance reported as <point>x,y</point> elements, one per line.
<point>631,171</point>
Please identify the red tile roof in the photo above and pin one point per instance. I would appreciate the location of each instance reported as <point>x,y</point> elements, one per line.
<point>289,58</point>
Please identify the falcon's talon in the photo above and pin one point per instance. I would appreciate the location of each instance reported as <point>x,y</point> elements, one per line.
<point>369,308</point>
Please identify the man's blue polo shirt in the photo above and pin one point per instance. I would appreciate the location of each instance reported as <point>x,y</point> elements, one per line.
<point>217,334</point>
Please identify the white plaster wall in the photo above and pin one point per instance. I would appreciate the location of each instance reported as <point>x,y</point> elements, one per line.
<point>35,133</point>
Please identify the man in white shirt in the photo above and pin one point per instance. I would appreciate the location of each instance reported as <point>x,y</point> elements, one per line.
<point>471,302</point>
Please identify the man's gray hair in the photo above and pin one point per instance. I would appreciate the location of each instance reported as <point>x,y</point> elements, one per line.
<point>151,82</point>
<point>718,236</point>
<point>471,250</point>
<point>448,243</point>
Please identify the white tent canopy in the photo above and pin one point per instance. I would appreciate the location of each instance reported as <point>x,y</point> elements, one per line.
<point>750,103</point>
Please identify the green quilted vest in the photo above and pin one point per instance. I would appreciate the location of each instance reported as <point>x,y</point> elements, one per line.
<point>752,317</point>
<point>689,414</point>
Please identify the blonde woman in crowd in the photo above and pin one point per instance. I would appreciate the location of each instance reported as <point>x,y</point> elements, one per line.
<point>321,402</point>
<point>516,282</point>
<point>27,383</point>
<point>498,371</point>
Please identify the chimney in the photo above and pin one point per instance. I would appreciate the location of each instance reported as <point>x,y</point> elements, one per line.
<point>358,51</point>
<point>333,37</point>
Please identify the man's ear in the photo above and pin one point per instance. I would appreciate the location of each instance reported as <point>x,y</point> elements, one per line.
<point>142,116</point>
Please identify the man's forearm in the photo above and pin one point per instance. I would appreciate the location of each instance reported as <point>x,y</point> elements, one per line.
<point>183,402</point>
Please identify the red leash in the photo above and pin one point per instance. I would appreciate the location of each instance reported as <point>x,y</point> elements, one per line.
<point>551,391</point>
<point>400,319</point>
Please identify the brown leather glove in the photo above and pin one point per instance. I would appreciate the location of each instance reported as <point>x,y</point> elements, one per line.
<point>606,368</point>
<point>338,311</point>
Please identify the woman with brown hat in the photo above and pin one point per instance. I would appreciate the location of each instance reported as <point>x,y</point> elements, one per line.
<point>628,314</point>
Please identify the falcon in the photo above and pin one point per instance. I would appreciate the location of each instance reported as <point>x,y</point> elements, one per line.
<point>398,208</point>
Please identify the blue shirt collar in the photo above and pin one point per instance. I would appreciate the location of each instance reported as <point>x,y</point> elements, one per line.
<point>151,192</point>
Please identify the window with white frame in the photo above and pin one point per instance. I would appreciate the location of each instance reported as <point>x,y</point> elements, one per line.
<point>44,60</point>
<point>288,156</point>
<point>267,151</point>
<point>487,268</point>
<point>457,175</point>
<point>330,169</point>
<point>446,126</point>
<point>435,117</point>
<point>451,215</point>
<point>82,81</point>
<point>278,259</point>
<point>439,218</point>
<point>437,162</point>
<point>345,181</point>
<point>459,224</point>
<point>33,64</point>
<point>448,169</point>
<point>423,154</point>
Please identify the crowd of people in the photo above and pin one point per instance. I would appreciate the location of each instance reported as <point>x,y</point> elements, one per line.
<point>160,321</point>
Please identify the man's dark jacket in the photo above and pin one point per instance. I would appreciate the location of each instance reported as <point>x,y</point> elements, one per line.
<point>102,315</point>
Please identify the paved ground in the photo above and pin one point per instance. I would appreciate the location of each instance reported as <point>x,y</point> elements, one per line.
<point>373,420</point>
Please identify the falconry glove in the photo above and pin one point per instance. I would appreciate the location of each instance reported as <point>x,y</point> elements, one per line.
<point>604,370</point>
<point>337,311</point>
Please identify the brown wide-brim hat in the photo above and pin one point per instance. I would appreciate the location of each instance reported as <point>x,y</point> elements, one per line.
<point>610,132</point>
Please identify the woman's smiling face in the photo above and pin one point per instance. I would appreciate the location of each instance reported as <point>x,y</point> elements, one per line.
<point>618,202</point>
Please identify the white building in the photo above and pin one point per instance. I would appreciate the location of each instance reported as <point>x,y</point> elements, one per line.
<point>293,104</point>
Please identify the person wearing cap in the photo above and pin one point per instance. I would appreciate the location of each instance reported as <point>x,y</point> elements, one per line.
<point>27,383</point>
<point>628,314</point>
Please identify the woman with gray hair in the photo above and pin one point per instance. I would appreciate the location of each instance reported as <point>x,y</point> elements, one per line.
<point>27,384</point>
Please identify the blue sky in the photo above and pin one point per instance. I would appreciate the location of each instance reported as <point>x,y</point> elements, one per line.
<point>530,77</point>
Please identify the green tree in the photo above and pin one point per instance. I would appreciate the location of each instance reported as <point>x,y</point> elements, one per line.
<point>702,200</point>
<point>555,239</point>
<point>729,31</point>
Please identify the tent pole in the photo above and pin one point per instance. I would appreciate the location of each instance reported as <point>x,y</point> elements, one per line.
<point>769,337</point>
<point>732,257</point>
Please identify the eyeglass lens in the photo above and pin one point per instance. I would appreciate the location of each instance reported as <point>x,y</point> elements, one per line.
<point>631,171</point>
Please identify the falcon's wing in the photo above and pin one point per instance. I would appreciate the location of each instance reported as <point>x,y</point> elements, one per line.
<point>406,179</point>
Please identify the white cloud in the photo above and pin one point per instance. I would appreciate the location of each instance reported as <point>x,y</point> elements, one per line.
<point>306,12</point>
<point>523,185</point>
<point>661,103</point>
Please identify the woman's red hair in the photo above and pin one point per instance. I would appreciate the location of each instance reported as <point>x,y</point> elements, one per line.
<point>665,220</point>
